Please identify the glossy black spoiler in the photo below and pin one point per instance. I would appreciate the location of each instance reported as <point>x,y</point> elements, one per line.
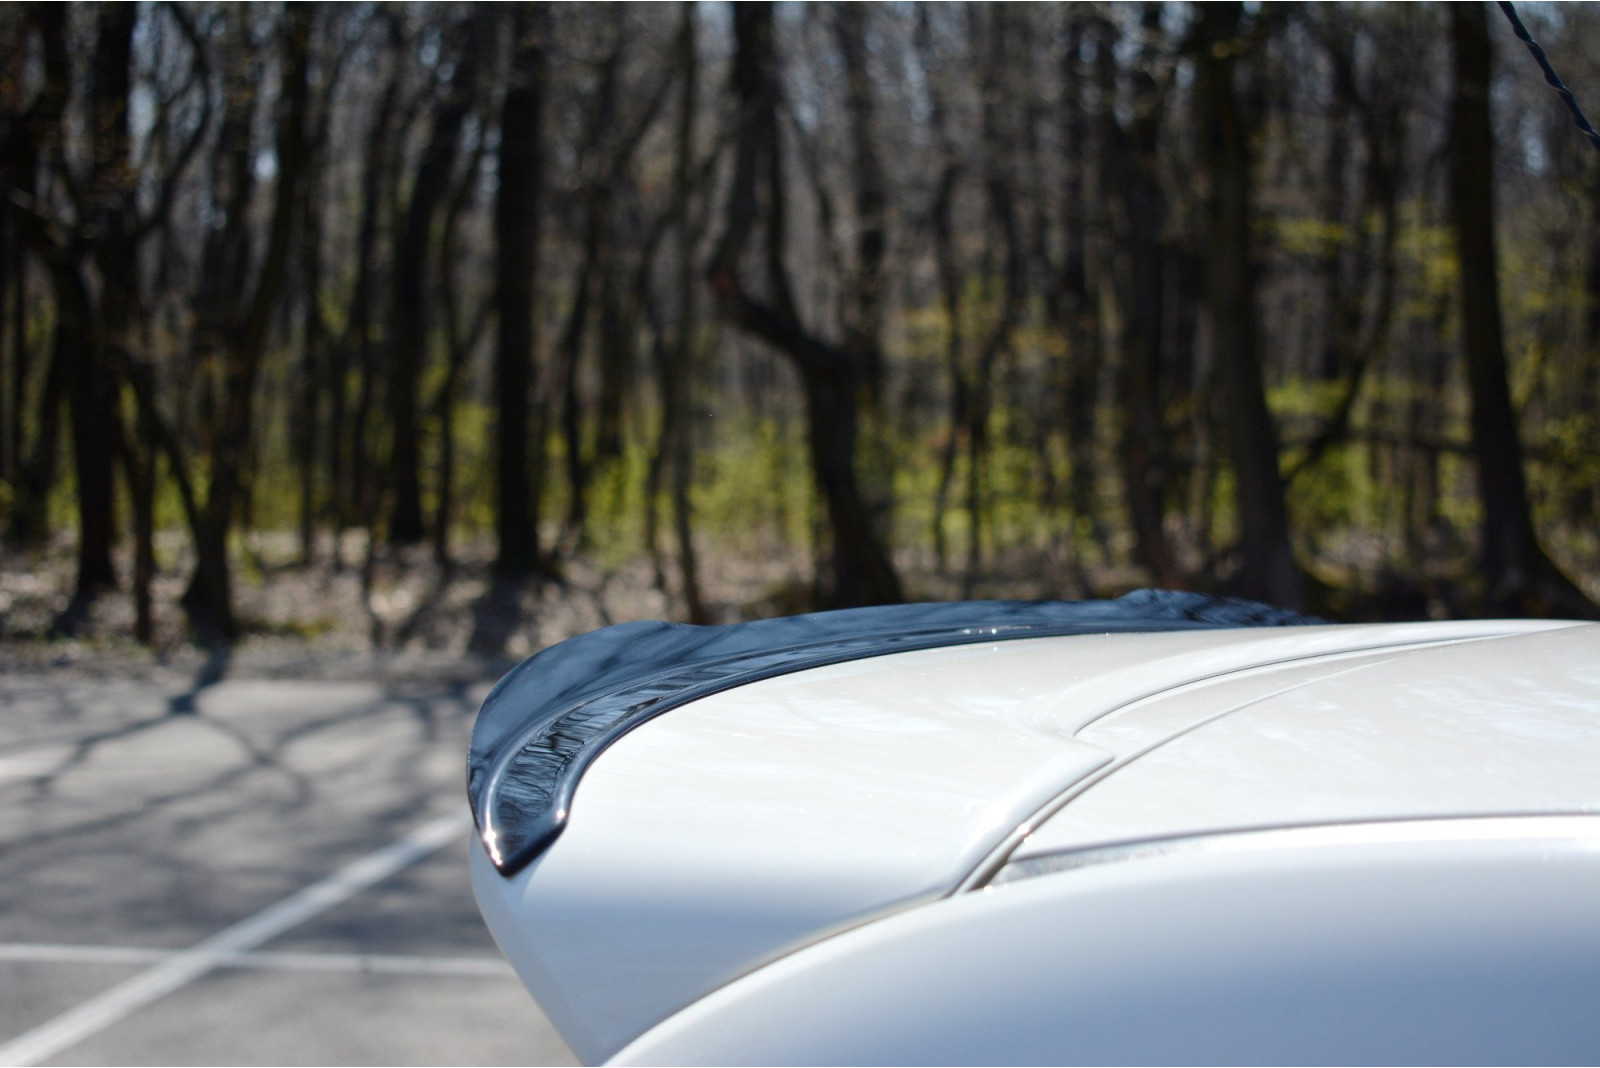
<point>547,720</point>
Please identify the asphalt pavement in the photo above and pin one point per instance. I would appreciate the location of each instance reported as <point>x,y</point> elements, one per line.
<point>249,872</point>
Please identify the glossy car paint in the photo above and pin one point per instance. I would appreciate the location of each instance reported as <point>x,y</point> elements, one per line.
<point>737,829</point>
<point>549,718</point>
<point>1481,728</point>
<point>1449,951</point>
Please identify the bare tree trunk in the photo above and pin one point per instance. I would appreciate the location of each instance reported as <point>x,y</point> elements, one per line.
<point>318,415</point>
<point>619,328</point>
<point>209,597</point>
<point>93,424</point>
<point>18,177</point>
<point>1141,210</point>
<point>998,143</point>
<point>36,459</point>
<point>673,462</point>
<point>603,156</point>
<point>866,283</point>
<point>412,260</point>
<point>21,358</point>
<point>321,368</point>
<point>1084,154</point>
<point>1591,288</point>
<point>356,492</point>
<point>139,462</point>
<point>517,209</point>
<point>120,302</point>
<point>862,571</point>
<point>942,226</point>
<point>461,339</point>
<point>680,379</point>
<point>315,369</point>
<point>91,389</point>
<point>571,349</point>
<point>1268,570</point>
<point>1519,578</point>
<point>28,525</point>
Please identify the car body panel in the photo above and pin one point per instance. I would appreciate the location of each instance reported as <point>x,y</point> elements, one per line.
<point>1461,949</point>
<point>1493,727</point>
<point>711,841</point>
<point>544,724</point>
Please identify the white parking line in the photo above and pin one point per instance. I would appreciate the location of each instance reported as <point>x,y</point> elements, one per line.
<point>54,953</point>
<point>377,963</point>
<point>181,969</point>
<point>28,767</point>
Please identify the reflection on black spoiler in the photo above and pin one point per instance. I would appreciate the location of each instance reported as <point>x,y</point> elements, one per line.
<point>546,721</point>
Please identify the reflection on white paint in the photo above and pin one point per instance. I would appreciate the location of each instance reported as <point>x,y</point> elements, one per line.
<point>1581,830</point>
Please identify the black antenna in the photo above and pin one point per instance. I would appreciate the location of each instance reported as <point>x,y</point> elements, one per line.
<point>1550,73</point>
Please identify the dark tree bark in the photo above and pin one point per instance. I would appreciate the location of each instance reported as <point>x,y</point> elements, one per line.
<point>1140,213</point>
<point>1085,146</point>
<point>1268,570</point>
<point>138,454</point>
<point>208,600</point>
<point>1519,578</point>
<point>571,355</point>
<point>862,572</point>
<point>91,389</point>
<point>672,465</point>
<point>1591,286</point>
<point>864,305</point>
<point>1350,350</point>
<point>226,254</point>
<point>36,459</point>
<point>351,453</point>
<point>18,177</point>
<point>98,319</point>
<point>678,379</point>
<point>593,279</point>
<point>320,375</point>
<point>1003,244</point>
<point>517,233</point>
<point>115,234</point>
<point>305,420</point>
<point>1075,148</point>
<point>867,279</point>
<point>461,340</point>
<point>619,331</point>
<point>941,225</point>
<point>19,357</point>
<point>599,306</point>
<point>28,525</point>
<point>112,220</point>
<point>412,260</point>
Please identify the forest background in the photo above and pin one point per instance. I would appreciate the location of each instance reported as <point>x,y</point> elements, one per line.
<point>450,329</point>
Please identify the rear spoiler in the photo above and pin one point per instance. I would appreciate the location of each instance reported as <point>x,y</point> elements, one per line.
<point>547,720</point>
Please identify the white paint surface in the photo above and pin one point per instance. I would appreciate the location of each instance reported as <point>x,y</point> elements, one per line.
<point>736,829</point>
<point>1504,726</point>
<point>1455,951</point>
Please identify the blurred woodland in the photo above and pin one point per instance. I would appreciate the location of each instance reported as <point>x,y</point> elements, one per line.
<point>1299,302</point>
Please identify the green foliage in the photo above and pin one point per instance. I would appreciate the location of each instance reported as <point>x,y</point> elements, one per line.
<point>474,468</point>
<point>754,484</point>
<point>1308,236</point>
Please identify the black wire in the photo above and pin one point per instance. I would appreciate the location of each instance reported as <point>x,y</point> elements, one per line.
<point>1550,73</point>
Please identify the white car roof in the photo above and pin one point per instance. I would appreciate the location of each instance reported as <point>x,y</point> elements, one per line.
<point>1502,726</point>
